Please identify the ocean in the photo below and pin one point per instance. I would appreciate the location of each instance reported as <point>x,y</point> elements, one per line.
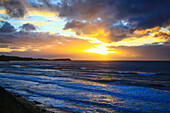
<point>91,86</point>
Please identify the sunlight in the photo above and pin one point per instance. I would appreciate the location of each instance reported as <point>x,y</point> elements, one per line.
<point>139,41</point>
<point>100,49</point>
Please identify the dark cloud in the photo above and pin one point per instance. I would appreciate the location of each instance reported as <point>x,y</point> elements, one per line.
<point>119,33</point>
<point>28,27</point>
<point>146,13</point>
<point>138,14</point>
<point>82,9</point>
<point>85,28</point>
<point>6,27</point>
<point>165,36</point>
<point>14,8</point>
<point>22,38</point>
<point>90,28</point>
<point>74,24</point>
<point>119,17</point>
<point>142,13</point>
<point>162,35</point>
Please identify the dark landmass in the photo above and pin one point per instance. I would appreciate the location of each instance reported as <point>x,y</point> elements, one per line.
<point>61,59</point>
<point>14,103</point>
<point>9,104</point>
<point>16,58</point>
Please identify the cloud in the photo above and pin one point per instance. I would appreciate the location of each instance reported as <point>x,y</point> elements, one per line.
<point>14,8</point>
<point>121,18</point>
<point>41,12</point>
<point>163,35</point>
<point>88,29</point>
<point>83,27</point>
<point>142,13</point>
<point>26,40</point>
<point>6,27</point>
<point>124,22</point>
<point>28,27</point>
<point>135,11</point>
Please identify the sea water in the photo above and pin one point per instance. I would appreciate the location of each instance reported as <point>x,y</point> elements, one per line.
<point>91,86</point>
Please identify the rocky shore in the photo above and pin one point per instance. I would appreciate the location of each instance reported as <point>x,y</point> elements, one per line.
<point>14,103</point>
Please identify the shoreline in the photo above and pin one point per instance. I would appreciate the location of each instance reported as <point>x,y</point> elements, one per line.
<point>15,103</point>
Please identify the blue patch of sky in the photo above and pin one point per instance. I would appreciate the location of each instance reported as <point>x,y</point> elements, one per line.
<point>121,23</point>
<point>37,2</point>
<point>99,19</point>
<point>51,27</point>
<point>46,27</point>
<point>55,1</point>
<point>164,29</point>
<point>14,22</point>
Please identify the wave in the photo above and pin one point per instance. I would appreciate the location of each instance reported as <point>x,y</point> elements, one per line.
<point>79,101</point>
<point>130,72</point>
<point>65,83</point>
<point>50,68</point>
<point>144,73</point>
<point>67,90</point>
<point>138,73</point>
<point>45,65</point>
<point>35,69</point>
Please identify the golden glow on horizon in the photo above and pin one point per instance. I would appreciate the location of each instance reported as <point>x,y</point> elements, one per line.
<point>10,50</point>
<point>5,50</point>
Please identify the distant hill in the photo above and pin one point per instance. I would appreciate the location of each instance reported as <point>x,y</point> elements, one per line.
<point>16,58</point>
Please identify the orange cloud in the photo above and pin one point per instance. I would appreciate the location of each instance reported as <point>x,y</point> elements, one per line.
<point>145,31</point>
<point>44,13</point>
<point>54,27</point>
<point>2,11</point>
<point>133,41</point>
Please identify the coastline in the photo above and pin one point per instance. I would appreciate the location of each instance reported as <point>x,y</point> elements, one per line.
<point>17,58</point>
<point>14,103</point>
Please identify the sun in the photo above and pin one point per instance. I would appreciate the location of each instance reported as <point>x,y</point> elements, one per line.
<point>100,49</point>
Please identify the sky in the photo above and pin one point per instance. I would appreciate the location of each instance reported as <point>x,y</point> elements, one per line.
<point>86,29</point>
